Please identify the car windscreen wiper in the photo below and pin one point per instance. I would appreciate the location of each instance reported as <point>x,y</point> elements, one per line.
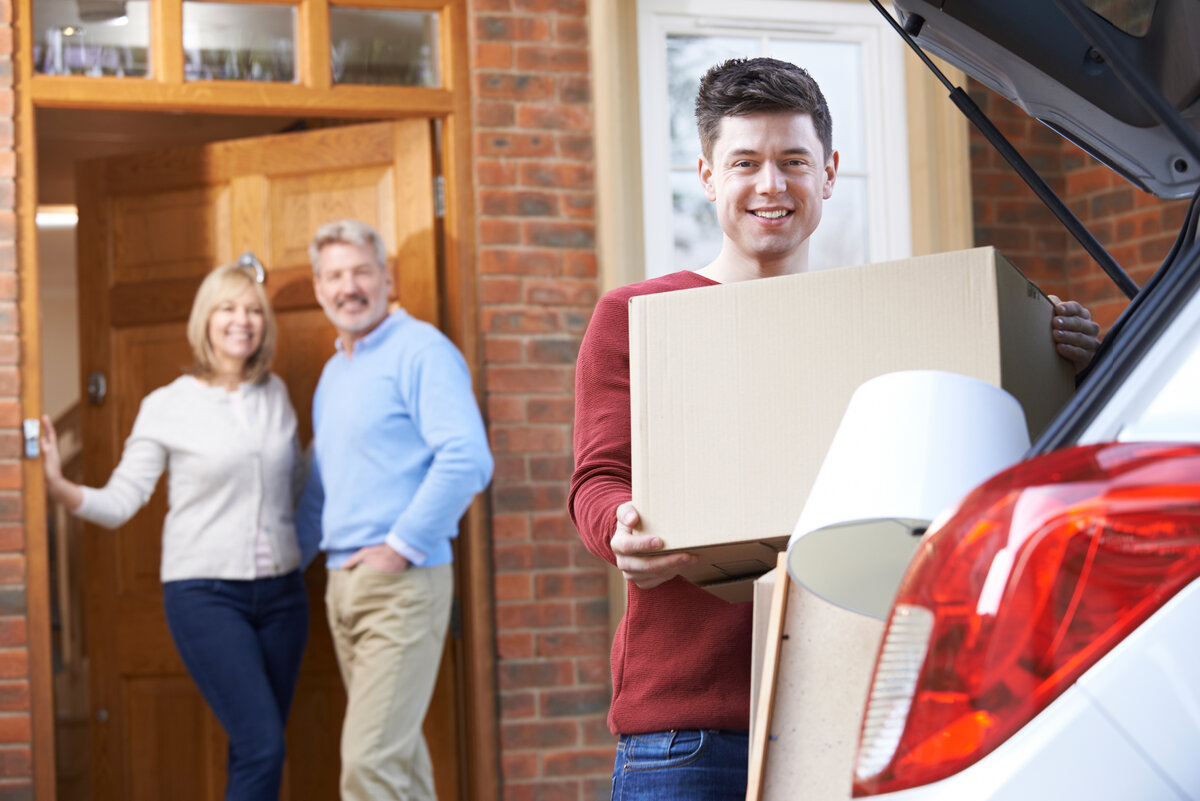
<point>1034,181</point>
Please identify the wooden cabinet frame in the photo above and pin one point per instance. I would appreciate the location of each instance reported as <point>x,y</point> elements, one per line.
<point>313,95</point>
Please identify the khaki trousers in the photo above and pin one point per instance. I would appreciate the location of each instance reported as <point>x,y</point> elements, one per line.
<point>388,632</point>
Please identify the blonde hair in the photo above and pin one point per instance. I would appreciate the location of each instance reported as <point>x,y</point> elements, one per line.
<point>348,232</point>
<point>222,284</point>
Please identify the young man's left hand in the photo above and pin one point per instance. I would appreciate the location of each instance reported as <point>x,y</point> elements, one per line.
<point>1076,336</point>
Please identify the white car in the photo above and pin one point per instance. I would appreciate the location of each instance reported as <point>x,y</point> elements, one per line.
<point>1045,642</point>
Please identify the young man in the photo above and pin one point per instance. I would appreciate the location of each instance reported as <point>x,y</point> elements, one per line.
<point>399,451</point>
<point>681,656</point>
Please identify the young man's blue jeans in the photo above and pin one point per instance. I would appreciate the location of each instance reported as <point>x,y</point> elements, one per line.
<point>242,642</point>
<point>681,766</point>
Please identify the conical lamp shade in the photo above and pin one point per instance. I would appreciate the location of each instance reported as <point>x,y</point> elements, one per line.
<point>910,444</point>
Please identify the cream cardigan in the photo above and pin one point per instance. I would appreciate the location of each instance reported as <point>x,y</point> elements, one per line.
<point>225,478</point>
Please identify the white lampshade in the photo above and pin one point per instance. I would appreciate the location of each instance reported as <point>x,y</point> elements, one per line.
<point>910,444</point>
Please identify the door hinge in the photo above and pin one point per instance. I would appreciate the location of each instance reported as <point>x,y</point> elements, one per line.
<point>439,196</point>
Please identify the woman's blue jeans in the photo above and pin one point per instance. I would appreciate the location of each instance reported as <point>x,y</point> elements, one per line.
<point>242,642</point>
<point>681,766</point>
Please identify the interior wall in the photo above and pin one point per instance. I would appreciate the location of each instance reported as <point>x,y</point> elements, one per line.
<point>60,312</point>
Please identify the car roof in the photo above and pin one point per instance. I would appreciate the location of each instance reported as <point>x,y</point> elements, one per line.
<point>1030,52</point>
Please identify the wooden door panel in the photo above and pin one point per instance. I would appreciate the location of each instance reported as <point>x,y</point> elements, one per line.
<point>150,227</point>
<point>299,203</point>
<point>170,233</point>
<point>170,766</point>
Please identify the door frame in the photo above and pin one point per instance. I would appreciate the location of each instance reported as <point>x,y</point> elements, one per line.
<point>479,744</point>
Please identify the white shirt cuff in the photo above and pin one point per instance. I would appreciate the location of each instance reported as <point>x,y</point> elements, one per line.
<point>407,551</point>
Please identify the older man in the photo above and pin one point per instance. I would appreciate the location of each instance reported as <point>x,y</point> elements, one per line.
<point>399,452</point>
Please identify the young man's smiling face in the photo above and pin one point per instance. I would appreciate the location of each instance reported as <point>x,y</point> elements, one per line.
<point>769,176</point>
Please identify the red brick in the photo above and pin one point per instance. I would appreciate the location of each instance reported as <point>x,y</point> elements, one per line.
<point>495,114</point>
<point>580,265</point>
<point>573,7</point>
<point>537,735</point>
<point>14,696</point>
<point>578,763</point>
<point>12,632</point>
<point>12,537</point>
<point>556,59</point>
<point>513,587</point>
<point>560,234</point>
<point>515,645</point>
<point>564,585</point>
<point>500,202</point>
<point>518,705</point>
<point>571,643</point>
<point>492,55</point>
<point>534,615</point>
<point>11,507</point>
<point>10,347</point>
<point>514,145</point>
<point>531,29</point>
<point>557,175</point>
<point>14,727</point>
<point>570,31</point>
<point>499,232</point>
<point>14,663</point>
<point>561,292</point>
<point>530,498</point>
<point>573,146</point>
<point>495,172</point>
<point>505,86</point>
<point>520,766</point>
<point>12,569</point>
<point>498,290</point>
<point>510,469</point>
<point>520,557</point>
<point>510,527</point>
<point>552,117</point>
<point>11,475</point>
<point>550,527</point>
<point>506,409</point>
<point>15,762</point>
<point>551,410</point>
<point>521,262</point>
<point>504,351</point>
<point>523,439</point>
<point>518,320</point>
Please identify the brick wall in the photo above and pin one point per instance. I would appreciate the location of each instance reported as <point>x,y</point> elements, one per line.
<point>1135,227</point>
<point>15,721</point>
<point>538,284</point>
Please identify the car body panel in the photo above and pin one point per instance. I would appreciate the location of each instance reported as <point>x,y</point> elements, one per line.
<point>1097,740</point>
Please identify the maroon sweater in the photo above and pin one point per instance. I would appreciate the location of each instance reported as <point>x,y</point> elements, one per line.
<point>681,656</point>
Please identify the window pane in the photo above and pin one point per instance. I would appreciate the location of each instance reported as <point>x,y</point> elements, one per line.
<point>842,239</point>
<point>394,48</point>
<point>837,69</point>
<point>92,37</point>
<point>688,58</point>
<point>239,42</point>
<point>697,233</point>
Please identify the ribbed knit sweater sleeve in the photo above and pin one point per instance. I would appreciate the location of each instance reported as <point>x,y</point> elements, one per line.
<point>603,478</point>
<point>681,656</point>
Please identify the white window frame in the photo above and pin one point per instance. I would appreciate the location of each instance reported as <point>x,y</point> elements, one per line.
<point>885,118</point>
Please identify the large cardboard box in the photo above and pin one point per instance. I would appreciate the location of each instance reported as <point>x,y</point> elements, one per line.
<point>737,390</point>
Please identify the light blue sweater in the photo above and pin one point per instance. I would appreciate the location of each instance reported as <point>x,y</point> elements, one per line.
<point>399,449</point>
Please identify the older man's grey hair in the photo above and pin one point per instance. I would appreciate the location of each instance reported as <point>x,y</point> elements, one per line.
<point>349,232</point>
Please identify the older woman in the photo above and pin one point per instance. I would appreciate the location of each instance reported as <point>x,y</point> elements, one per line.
<point>231,565</point>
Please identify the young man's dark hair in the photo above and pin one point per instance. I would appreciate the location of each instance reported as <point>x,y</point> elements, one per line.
<point>742,86</point>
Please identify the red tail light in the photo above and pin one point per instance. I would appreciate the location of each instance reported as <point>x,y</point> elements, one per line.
<point>1038,574</point>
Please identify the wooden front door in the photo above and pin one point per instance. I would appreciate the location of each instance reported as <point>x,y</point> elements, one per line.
<point>150,227</point>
